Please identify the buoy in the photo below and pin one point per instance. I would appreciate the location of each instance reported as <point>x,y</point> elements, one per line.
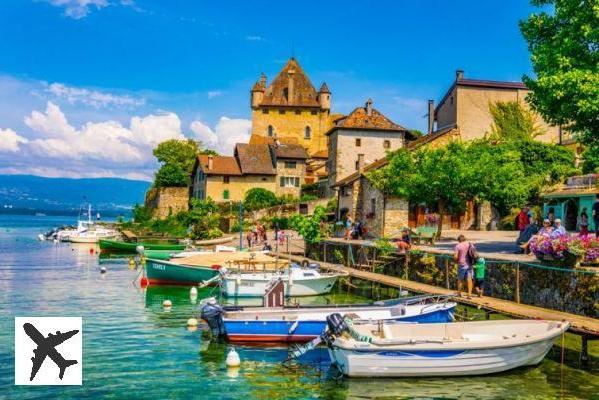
<point>192,322</point>
<point>140,249</point>
<point>131,263</point>
<point>102,270</point>
<point>233,359</point>
<point>143,282</point>
<point>193,292</point>
<point>91,250</point>
<point>167,304</point>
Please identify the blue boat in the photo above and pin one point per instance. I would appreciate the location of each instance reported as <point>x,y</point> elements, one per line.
<point>302,324</point>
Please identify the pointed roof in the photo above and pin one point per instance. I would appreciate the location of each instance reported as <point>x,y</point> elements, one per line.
<point>304,94</point>
<point>324,88</point>
<point>367,118</point>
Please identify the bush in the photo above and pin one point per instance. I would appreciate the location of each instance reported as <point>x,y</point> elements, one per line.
<point>258,198</point>
<point>171,175</point>
<point>308,197</point>
<point>141,214</point>
<point>384,246</point>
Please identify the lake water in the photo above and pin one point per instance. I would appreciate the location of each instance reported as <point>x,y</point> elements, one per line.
<point>134,349</point>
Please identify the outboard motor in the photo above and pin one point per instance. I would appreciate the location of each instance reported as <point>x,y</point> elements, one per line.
<point>336,324</point>
<point>212,313</point>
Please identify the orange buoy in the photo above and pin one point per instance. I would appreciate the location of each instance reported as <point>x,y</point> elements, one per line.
<point>143,282</point>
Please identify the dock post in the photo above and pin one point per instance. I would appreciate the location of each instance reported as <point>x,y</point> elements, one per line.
<point>584,350</point>
<point>517,283</point>
<point>348,250</point>
<point>446,262</point>
<point>324,252</point>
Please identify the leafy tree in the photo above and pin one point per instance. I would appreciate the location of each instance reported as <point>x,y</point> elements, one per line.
<point>258,198</point>
<point>564,48</point>
<point>141,214</point>
<point>171,175</point>
<point>310,227</point>
<point>590,158</point>
<point>177,152</point>
<point>204,219</point>
<point>511,121</point>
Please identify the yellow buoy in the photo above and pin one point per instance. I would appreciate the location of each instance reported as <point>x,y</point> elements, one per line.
<point>192,322</point>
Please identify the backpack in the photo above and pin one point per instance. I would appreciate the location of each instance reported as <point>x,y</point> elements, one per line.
<point>471,255</point>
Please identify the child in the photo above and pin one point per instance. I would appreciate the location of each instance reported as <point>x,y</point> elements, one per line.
<point>479,276</point>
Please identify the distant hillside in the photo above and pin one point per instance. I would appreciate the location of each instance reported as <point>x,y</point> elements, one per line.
<point>53,194</point>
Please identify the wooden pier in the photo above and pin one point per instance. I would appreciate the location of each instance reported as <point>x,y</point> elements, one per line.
<point>586,327</point>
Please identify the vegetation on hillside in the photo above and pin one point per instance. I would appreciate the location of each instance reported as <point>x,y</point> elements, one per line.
<point>177,158</point>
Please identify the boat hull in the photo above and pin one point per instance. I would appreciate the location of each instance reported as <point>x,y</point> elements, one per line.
<point>306,330</point>
<point>159,272</point>
<point>116,245</point>
<point>244,286</point>
<point>357,363</point>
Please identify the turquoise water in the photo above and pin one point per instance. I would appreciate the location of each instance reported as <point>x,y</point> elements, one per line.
<point>135,349</point>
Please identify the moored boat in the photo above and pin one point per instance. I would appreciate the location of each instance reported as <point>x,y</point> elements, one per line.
<point>297,282</point>
<point>115,245</point>
<point>301,324</point>
<point>451,349</point>
<point>167,273</point>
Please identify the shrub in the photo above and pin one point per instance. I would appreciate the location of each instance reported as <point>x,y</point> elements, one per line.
<point>258,198</point>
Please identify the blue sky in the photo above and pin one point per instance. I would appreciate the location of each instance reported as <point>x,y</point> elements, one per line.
<point>87,87</point>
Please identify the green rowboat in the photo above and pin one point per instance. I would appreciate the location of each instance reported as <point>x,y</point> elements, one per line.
<point>167,273</point>
<point>160,254</point>
<point>115,245</point>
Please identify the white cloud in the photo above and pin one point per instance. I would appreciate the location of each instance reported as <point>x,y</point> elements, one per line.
<point>214,93</point>
<point>255,38</point>
<point>9,141</point>
<point>52,123</point>
<point>78,9</point>
<point>224,136</point>
<point>93,98</point>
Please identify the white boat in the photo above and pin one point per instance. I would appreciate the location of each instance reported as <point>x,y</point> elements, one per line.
<point>87,231</point>
<point>298,282</point>
<point>390,349</point>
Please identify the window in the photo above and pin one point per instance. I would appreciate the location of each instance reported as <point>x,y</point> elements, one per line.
<point>451,100</point>
<point>225,179</point>
<point>289,181</point>
<point>313,112</point>
<point>290,164</point>
<point>307,132</point>
<point>265,111</point>
<point>281,111</point>
<point>226,194</point>
<point>373,206</point>
<point>271,131</point>
<point>387,144</point>
<point>358,142</point>
<point>298,112</point>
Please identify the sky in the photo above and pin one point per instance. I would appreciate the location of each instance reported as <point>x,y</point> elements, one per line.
<point>89,87</point>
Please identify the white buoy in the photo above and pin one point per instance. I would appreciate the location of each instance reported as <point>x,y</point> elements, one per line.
<point>102,270</point>
<point>193,292</point>
<point>233,359</point>
<point>192,322</point>
<point>140,249</point>
<point>167,304</point>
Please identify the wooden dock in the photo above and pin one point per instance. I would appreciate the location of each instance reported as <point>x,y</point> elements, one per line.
<point>587,327</point>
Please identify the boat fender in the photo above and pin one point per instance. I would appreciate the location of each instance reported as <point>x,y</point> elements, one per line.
<point>192,322</point>
<point>139,249</point>
<point>212,313</point>
<point>233,359</point>
<point>193,292</point>
<point>102,270</point>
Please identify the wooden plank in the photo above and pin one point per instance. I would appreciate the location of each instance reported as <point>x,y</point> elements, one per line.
<point>129,235</point>
<point>578,323</point>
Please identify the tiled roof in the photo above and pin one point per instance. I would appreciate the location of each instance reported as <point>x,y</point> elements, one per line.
<point>304,93</point>
<point>290,151</point>
<point>361,119</point>
<point>321,154</point>
<point>324,88</point>
<point>356,175</point>
<point>254,159</point>
<point>221,165</point>
<point>431,136</point>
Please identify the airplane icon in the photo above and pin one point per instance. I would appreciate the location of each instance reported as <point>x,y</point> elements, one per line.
<point>46,347</point>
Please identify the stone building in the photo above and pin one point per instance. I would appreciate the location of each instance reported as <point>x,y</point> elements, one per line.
<point>464,109</point>
<point>359,139</point>
<point>279,168</point>
<point>290,107</point>
<point>167,201</point>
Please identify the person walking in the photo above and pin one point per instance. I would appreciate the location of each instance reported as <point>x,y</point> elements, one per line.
<point>523,219</point>
<point>479,276</point>
<point>463,255</point>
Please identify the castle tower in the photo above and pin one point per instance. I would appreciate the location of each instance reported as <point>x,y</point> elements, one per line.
<point>290,109</point>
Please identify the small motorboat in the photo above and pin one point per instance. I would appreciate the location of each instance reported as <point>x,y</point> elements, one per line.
<point>127,247</point>
<point>392,349</point>
<point>297,281</point>
<point>304,323</point>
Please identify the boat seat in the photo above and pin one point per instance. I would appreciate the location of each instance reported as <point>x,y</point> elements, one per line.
<point>386,333</point>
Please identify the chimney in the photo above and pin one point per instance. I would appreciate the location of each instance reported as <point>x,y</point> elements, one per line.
<point>210,162</point>
<point>431,116</point>
<point>369,107</point>
<point>459,74</point>
<point>263,80</point>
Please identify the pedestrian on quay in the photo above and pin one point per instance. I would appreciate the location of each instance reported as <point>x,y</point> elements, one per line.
<point>596,215</point>
<point>523,219</point>
<point>479,276</point>
<point>583,222</point>
<point>465,255</point>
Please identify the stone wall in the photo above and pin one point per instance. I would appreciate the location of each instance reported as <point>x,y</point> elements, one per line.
<point>167,201</point>
<point>287,210</point>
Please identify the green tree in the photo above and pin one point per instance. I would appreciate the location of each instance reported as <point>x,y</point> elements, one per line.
<point>511,121</point>
<point>171,175</point>
<point>204,219</point>
<point>177,152</point>
<point>310,227</point>
<point>564,46</point>
<point>590,158</point>
<point>258,198</point>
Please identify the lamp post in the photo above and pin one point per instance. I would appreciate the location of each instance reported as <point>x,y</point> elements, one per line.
<point>240,225</point>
